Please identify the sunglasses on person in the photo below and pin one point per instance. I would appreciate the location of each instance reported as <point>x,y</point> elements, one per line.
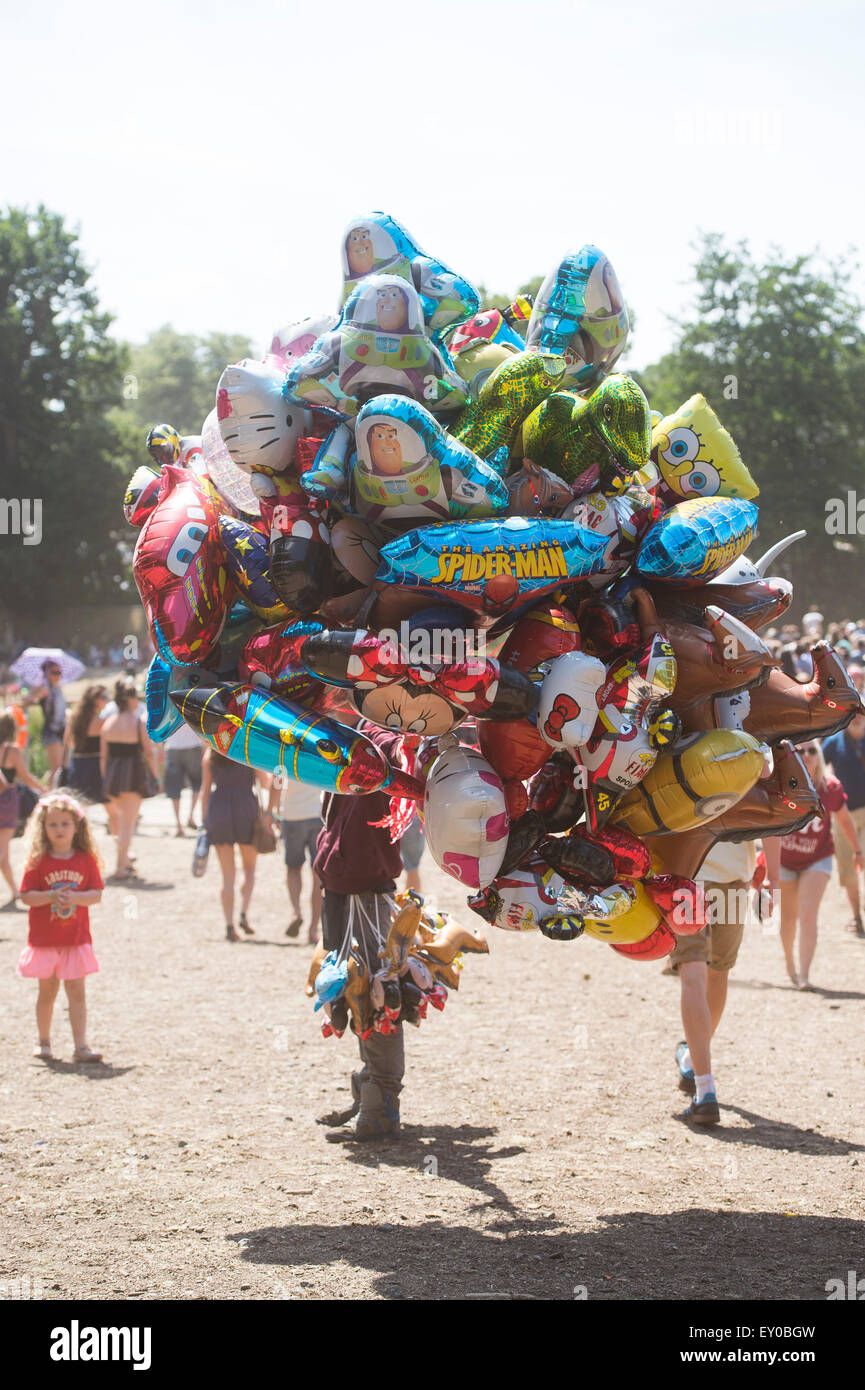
<point>54,671</point>
<point>811,752</point>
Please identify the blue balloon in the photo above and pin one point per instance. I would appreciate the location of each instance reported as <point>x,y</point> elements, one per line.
<point>489,566</point>
<point>697,539</point>
<point>580,314</point>
<point>247,555</point>
<point>380,343</point>
<point>405,468</point>
<point>376,244</point>
<point>331,980</point>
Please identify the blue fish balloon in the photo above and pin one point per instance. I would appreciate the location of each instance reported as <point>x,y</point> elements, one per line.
<point>250,725</point>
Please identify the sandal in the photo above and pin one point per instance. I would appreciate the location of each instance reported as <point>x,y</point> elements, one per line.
<point>244,925</point>
<point>86,1054</point>
<point>294,926</point>
<point>43,1051</point>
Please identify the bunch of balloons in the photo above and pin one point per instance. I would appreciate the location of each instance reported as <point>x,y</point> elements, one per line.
<point>420,958</point>
<point>469,528</point>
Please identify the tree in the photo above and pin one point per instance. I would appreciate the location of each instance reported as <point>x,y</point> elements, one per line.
<point>60,374</point>
<point>174,375</point>
<point>502,301</point>
<point>779,352</point>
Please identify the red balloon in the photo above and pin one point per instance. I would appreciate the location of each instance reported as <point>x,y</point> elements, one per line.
<point>681,901</point>
<point>514,747</point>
<point>655,946</point>
<point>630,856</point>
<point>179,567</point>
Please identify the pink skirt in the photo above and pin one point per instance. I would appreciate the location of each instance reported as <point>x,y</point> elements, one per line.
<point>66,962</point>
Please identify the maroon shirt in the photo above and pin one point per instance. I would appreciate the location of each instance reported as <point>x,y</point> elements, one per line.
<point>351,855</point>
<point>814,841</point>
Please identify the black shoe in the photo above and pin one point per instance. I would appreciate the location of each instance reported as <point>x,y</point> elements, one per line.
<point>686,1076</point>
<point>704,1112</point>
<point>244,925</point>
<point>230,933</point>
<point>858,928</point>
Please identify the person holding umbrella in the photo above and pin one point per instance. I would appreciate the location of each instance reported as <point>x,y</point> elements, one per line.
<point>48,669</point>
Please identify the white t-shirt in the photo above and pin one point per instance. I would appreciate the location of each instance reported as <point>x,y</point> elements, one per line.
<point>184,737</point>
<point>300,801</point>
<point>727,862</point>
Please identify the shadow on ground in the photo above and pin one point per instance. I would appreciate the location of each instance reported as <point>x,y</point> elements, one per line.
<point>696,1254</point>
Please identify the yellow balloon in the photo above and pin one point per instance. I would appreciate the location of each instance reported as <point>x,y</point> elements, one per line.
<point>634,925</point>
<point>697,457</point>
<point>702,778</point>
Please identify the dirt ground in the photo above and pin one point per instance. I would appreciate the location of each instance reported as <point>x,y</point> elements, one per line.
<point>542,1155</point>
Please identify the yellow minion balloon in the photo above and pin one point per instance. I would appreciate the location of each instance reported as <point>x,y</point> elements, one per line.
<point>705,775</point>
<point>697,457</point>
<point>638,922</point>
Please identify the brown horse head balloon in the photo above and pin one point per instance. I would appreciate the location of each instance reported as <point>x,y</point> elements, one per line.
<point>785,709</point>
<point>535,491</point>
<point>719,659</point>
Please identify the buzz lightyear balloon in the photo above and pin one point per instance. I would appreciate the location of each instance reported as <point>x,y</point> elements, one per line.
<point>405,469</point>
<point>376,244</point>
<point>380,344</point>
<point>580,315</point>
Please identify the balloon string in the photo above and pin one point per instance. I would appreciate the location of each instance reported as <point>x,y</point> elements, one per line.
<point>345,948</point>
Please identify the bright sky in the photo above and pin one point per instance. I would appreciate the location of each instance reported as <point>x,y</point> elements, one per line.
<point>212,152</point>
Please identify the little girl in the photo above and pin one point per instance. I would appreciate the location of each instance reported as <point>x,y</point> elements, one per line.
<point>61,879</point>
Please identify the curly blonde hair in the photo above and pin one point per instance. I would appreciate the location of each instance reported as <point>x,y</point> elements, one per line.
<point>37,841</point>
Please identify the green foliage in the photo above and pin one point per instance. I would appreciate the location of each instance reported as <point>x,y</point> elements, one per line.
<point>778,350</point>
<point>174,376</point>
<point>502,301</point>
<point>60,374</point>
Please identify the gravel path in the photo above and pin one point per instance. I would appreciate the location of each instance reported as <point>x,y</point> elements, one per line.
<point>542,1154</point>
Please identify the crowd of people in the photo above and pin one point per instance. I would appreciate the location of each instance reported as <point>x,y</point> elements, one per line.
<point>98,754</point>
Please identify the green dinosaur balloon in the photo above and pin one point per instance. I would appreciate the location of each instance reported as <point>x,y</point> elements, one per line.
<point>609,433</point>
<point>506,398</point>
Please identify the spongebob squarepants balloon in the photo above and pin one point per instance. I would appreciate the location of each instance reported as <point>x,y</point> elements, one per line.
<point>580,315</point>
<point>406,468</point>
<point>377,244</point>
<point>697,457</point>
<point>379,344</point>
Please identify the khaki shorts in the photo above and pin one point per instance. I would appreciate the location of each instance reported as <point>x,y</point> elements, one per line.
<point>717,945</point>
<point>844,849</point>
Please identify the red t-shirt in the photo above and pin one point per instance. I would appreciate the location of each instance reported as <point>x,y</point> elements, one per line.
<point>814,841</point>
<point>51,925</point>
